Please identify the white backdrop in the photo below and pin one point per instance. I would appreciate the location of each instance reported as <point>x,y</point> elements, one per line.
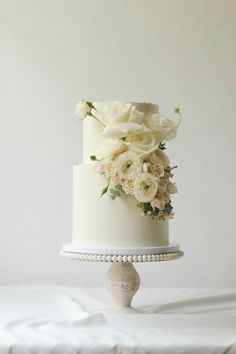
<point>172,52</point>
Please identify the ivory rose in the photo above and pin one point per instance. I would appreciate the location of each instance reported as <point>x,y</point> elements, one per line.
<point>128,165</point>
<point>110,148</point>
<point>145,187</point>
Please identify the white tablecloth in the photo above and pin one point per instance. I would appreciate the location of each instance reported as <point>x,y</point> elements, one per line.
<point>66,320</point>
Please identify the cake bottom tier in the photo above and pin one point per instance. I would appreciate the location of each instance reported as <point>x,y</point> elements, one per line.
<point>103,222</point>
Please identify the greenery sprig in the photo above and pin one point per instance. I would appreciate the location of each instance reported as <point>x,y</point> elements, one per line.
<point>94,158</point>
<point>117,191</point>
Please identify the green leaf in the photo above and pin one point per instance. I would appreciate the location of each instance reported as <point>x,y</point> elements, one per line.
<point>93,158</point>
<point>90,104</point>
<point>105,189</point>
<point>177,110</point>
<point>119,187</point>
<point>115,192</point>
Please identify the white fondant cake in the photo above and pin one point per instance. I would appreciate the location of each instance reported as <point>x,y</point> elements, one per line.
<point>103,222</point>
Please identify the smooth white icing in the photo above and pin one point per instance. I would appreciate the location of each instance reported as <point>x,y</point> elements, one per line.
<point>103,222</point>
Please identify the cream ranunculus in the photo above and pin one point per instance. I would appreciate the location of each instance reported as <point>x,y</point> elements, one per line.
<point>142,144</point>
<point>145,187</point>
<point>164,128</point>
<point>128,165</point>
<point>110,148</point>
<point>120,118</point>
<point>82,109</point>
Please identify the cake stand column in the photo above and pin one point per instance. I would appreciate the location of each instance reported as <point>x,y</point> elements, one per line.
<point>122,282</point>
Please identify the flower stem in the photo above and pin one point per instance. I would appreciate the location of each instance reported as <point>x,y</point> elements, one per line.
<point>98,120</point>
<point>177,111</point>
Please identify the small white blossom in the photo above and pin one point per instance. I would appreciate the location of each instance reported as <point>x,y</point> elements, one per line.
<point>82,109</point>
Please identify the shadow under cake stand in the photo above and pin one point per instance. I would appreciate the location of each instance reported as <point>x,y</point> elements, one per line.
<point>121,280</point>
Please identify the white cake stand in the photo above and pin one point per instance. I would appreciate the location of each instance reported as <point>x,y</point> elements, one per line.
<point>122,280</point>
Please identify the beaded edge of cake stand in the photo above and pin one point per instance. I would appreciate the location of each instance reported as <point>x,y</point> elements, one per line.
<point>122,258</point>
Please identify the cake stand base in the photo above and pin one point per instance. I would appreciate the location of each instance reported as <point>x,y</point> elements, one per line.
<point>122,280</point>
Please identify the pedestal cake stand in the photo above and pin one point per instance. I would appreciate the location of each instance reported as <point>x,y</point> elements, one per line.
<point>121,280</point>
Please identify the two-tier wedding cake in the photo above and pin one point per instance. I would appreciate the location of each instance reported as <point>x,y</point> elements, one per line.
<point>122,191</point>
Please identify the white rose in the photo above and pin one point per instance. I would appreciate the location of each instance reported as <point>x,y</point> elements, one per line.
<point>164,128</point>
<point>142,144</point>
<point>128,165</point>
<point>82,109</point>
<point>120,118</point>
<point>109,148</point>
<point>145,187</point>
<point>162,158</point>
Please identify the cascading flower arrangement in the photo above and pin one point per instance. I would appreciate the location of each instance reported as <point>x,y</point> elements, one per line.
<point>132,156</point>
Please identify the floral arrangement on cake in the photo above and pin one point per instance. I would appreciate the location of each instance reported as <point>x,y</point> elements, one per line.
<point>132,155</point>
